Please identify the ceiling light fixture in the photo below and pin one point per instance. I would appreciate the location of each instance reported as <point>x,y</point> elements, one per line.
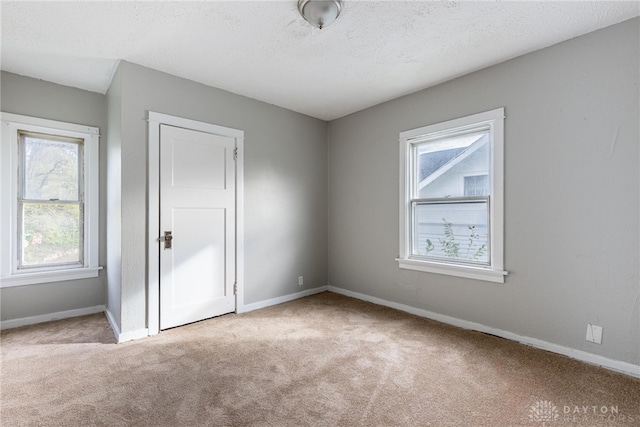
<point>320,13</point>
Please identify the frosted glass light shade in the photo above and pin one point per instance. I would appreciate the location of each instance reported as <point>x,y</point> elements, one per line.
<point>320,13</point>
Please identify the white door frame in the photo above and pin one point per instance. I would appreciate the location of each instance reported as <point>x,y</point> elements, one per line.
<point>153,208</point>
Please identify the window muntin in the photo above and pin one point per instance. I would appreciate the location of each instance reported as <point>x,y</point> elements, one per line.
<point>451,197</point>
<point>50,201</point>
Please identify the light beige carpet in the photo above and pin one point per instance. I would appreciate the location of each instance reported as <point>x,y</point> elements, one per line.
<point>318,361</point>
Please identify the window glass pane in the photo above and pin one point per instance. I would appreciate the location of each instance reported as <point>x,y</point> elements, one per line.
<point>50,169</point>
<point>442,164</point>
<point>50,234</point>
<point>451,231</point>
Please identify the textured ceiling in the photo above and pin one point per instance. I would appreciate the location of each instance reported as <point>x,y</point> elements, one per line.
<point>374,52</point>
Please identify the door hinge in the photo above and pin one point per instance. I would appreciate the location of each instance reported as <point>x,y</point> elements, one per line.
<point>235,288</point>
<point>235,153</point>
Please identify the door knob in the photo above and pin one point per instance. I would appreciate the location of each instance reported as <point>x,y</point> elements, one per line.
<point>167,238</point>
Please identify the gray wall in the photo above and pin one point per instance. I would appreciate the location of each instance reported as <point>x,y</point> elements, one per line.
<point>285,185</point>
<point>572,195</point>
<point>37,98</point>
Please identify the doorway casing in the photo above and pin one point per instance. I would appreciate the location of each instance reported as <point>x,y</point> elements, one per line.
<point>153,208</point>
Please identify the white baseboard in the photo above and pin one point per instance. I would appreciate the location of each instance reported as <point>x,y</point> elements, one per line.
<point>127,336</point>
<point>24,321</point>
<point>594,359</point>
<point>279,300</point>
<point>133,335</point>
<point>112,323</point>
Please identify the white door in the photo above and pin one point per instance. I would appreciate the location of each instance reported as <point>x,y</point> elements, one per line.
<point>197,208</point>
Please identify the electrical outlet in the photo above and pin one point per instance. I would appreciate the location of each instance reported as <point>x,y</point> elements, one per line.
<point>594,333</point>
<point>300,281</point>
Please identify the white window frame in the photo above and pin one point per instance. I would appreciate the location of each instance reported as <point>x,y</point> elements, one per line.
<point>493,272</point>
<point>10,275</point>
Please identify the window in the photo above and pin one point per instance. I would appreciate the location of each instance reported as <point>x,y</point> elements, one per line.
<point>476,185</point>
<point>451,219</point>
<point>49,214</point>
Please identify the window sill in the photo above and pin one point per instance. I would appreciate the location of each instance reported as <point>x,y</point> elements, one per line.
<point>478,273</point>
<point>34,278</point>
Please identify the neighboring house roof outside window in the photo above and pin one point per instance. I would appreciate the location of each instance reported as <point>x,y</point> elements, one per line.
<point>434,164</point>
<point>431,162</point>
